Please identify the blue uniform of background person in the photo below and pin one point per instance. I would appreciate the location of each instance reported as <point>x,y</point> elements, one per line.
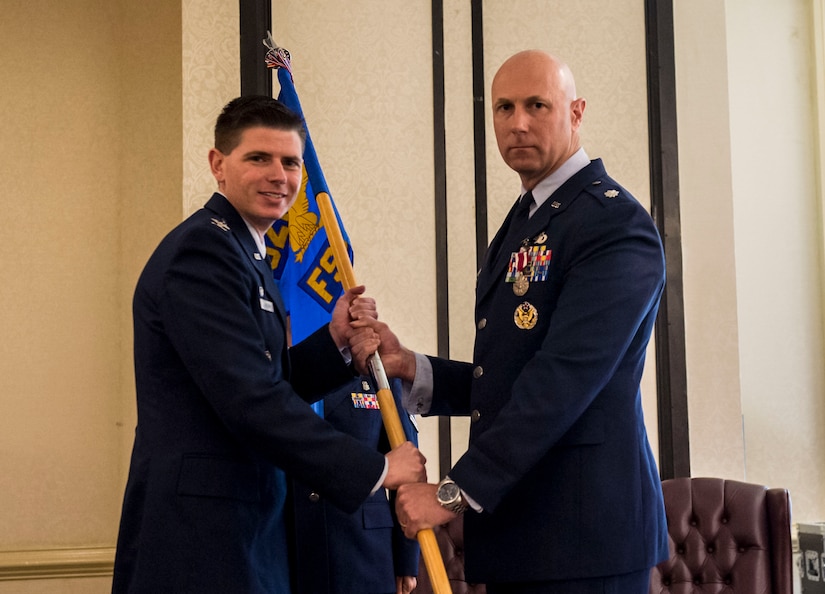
<point>221,419</point>
<point>364,551</point>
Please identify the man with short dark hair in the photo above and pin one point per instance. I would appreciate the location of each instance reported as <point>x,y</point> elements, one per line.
<point>222,417</point>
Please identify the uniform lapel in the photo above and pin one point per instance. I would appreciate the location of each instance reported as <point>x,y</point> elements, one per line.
<point>498,256</point>
<point>492,272</point>
<point>270,293</point>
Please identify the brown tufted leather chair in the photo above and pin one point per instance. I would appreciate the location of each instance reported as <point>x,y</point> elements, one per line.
<point>450,539</point>
<point>725,536</point>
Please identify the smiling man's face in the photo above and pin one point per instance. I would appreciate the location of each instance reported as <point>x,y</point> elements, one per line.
<point>261,176</point>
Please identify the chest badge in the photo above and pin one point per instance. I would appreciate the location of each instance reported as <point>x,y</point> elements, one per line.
<point>368,401</point>
<point>526,316</point>
<point>528,265</point>
<point>520,285</point>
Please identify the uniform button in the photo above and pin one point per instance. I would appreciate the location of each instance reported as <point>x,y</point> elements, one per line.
<point>478,372</point>
<point>475,416</point>
<point>314,497</point>
<point>482,323</point>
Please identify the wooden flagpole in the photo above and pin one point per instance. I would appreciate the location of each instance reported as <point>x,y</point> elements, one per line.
<point>386,402</point>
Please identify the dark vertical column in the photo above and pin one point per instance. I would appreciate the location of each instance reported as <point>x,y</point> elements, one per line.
<point>479,134</point>
<point>255,21</point>
<point>440,194</point>
<point>671,372</point>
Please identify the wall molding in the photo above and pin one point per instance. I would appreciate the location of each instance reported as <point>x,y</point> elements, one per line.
<point>57,563</point>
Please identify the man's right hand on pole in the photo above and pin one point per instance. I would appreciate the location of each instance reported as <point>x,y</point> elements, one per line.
<point>398,361</point>
<point>406,465</point>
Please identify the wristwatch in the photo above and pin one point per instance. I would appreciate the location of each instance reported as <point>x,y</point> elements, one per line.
<point>449,496</point>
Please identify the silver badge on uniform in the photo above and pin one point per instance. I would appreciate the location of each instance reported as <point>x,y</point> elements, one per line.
<point>220,224</point>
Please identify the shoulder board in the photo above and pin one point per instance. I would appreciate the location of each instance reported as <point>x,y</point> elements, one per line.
<point>605,190</point>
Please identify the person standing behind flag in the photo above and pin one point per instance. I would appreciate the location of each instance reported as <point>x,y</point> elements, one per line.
<point>221,410</point>
<point>559,483</point>
<point>336,552</point>
<point>364,552</point>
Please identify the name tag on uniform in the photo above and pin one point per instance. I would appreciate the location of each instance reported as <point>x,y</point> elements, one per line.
<point>267,305</point>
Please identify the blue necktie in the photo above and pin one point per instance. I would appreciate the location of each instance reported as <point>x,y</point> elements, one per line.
<point>515,229</point>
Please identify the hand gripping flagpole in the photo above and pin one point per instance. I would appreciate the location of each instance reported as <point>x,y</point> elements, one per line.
<point>386,402</point>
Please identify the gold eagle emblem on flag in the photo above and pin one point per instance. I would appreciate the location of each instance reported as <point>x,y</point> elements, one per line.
<point>303,224</point>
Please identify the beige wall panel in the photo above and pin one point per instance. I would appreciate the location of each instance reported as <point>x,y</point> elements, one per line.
<point>777,235</point>
<point>151,165</point>
<point>365,83</point>
<point>211,78</point>
<point>460,142</point>
<point>89,164</point>
<point>59,357</point>
<point>461,215</point>
<point>363,72</point>
<point>711,326</point>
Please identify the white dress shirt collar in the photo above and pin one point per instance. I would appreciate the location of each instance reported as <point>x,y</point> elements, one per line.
<point>543,190</point>
<point>257,236</point>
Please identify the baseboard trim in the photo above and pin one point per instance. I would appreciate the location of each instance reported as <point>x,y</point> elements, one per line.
<point>56,563</point>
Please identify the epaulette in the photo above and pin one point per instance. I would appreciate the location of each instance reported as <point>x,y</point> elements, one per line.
<point>604,189</point>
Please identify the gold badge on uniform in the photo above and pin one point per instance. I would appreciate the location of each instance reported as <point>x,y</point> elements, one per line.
<point>526,316</point>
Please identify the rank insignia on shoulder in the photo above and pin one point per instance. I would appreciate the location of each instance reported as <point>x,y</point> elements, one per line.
<point>611,193</point>
<point>526,316</point>
<point>220,224</point>
<point>368,401</point>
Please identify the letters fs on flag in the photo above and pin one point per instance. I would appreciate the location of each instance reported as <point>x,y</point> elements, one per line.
<point>302,261</point>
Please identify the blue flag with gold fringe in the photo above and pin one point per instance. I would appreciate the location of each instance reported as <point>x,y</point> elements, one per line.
<point>302,261</point>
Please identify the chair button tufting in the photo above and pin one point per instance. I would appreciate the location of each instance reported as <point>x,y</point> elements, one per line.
<point>710,550</point>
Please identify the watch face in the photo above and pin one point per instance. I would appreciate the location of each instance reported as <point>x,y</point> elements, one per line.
<point>448,492</point>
